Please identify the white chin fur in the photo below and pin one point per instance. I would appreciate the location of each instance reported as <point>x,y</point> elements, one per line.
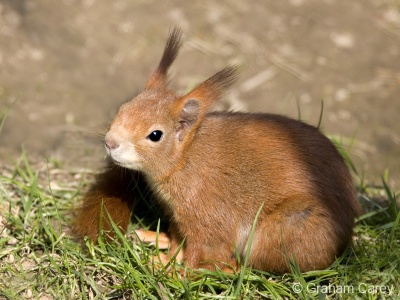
<point>125,156</point>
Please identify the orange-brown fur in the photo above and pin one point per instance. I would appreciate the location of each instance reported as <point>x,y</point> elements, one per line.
<point>112,194</point>
<point>212,172</point>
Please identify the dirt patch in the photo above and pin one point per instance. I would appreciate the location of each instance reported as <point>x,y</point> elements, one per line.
<point>65,66</point>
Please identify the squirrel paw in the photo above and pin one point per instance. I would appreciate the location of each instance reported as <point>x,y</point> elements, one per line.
<point>159,239</point>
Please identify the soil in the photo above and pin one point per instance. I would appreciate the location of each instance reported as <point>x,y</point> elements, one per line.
<point>65,66</point>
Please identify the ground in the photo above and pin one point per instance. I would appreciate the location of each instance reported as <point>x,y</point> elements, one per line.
<point>65,66</point>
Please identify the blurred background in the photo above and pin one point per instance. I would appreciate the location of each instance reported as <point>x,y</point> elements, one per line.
<point>66,66</point>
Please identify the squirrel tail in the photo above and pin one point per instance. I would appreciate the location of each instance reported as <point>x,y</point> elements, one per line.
<point>111,196</point>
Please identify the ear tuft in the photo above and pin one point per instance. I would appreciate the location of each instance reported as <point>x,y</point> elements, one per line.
<point>159,78</point>
<point>171,50</point>
<point>222,80</point>
<point>211,90</point>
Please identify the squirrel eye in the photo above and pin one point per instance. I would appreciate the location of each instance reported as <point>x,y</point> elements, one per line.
<point>155,136</point>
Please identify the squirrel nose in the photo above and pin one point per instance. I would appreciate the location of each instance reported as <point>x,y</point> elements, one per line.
<point>111,143</point>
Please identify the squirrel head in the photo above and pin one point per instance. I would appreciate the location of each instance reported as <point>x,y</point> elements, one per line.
<point>151,132</point>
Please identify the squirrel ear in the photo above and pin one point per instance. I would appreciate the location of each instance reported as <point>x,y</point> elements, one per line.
<point>190,111</point>
<point>191,108</point>
<point>211,90</point>
<point>189,116</point>
<point>159,78</point>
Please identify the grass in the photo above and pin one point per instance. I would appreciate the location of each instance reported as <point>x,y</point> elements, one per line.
<point>39,259</point>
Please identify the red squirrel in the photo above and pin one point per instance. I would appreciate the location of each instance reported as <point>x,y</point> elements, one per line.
<point>212,172</point>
